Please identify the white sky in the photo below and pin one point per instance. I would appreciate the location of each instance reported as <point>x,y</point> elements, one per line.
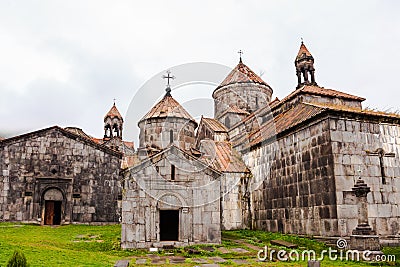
<point>63,62</point>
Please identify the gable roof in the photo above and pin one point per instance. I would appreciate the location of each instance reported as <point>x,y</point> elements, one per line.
<point>174,150</point>
<point>301,113</point>
<point>67,133</point>
<point>283,121</point>
<point>317,90</point>
<point>78,131</point>
<point>222,157</point>
<point>241,74</point>
<point>101,141</point>
<point>356,111</point>
<point>168,107</point>
<point>214,125</point>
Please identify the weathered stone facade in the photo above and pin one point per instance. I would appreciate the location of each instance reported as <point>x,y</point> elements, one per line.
<point>160,132</point>
<point>294,188</point>
<point>354,141</point>
<point>171,182</point>
<point>165,124</point>
<point>53,176</point>
<point>235,201</point>
<point>284,165</point>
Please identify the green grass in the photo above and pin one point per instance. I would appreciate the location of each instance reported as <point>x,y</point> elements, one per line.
<point>84,245</point>
<point>79,245</point>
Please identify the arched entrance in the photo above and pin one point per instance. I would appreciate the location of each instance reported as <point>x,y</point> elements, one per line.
<point>53,199</point>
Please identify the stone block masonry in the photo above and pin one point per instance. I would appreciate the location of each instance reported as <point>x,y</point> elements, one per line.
<point>84,174</point>
<point>294,188</point>
<point>353,145</point>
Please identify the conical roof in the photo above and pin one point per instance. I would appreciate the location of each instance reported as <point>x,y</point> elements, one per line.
<point>113,113</point>
<point>242,74</point>
<point>168,107</point>
<point>303,52</point>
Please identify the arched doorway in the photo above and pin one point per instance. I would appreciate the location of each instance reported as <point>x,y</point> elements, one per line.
<point>53,199</point>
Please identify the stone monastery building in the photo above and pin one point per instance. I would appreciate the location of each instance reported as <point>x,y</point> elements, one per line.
<point>284,165</point>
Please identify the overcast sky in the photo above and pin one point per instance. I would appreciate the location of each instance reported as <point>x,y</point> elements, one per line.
<point>63,62</point>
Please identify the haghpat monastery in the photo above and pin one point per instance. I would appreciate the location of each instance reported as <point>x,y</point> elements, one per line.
<point>286,165</point>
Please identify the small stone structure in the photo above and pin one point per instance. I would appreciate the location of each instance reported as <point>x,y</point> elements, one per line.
<point>363,237</point>
<point>54,176</point>
<point>62,175</point>
<point>171,199</point>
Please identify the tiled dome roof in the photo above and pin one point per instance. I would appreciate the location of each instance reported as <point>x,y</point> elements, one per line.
<point>242,74</point>
<point>168,107</point>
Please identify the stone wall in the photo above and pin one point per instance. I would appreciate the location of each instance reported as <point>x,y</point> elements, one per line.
<point>86,175</point>
<point>246,96</point>
<point>156,132</point>
<point>150,188</point>
<point>354,146</point>
<point>235,201</point>
<point>293,188</point>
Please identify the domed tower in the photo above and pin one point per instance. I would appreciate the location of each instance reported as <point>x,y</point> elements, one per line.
<point>113,124</point>
<point>304,67</point>
<point>241,93</point>
<point>167,123</point>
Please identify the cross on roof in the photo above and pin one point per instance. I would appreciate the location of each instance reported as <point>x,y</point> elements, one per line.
<point>240,52</point>
<point>114,101</point>
<point>168,77</point>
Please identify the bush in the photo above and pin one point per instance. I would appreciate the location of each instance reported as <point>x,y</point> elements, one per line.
<point>17,260</point>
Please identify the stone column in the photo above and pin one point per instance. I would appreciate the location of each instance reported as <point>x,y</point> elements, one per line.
<point>363,237</point>
<point>361,190</point>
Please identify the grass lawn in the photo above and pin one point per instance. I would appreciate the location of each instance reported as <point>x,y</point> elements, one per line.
<point>84,245</point>
<point>70,245</point>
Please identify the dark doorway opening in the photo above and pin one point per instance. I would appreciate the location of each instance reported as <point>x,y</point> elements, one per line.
<point>52,212</point>
<point>169,225</point>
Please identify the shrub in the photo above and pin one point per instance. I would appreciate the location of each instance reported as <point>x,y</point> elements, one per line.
<point>17,260</point>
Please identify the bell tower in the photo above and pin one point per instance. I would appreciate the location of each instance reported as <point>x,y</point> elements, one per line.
<point>304,67</point>
<point>113,124</point>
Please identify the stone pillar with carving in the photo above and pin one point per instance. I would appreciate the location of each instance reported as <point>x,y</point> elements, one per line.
<point>363,236</point>
<point>361,190</point>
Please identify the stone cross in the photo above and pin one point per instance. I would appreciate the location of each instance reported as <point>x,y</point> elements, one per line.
<point>363,237</point>
<point>361,190</point>
<point>381,154</point>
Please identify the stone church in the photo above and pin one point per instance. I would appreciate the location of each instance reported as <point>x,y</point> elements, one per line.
<point>284,165</point>
<point>62,175</point>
